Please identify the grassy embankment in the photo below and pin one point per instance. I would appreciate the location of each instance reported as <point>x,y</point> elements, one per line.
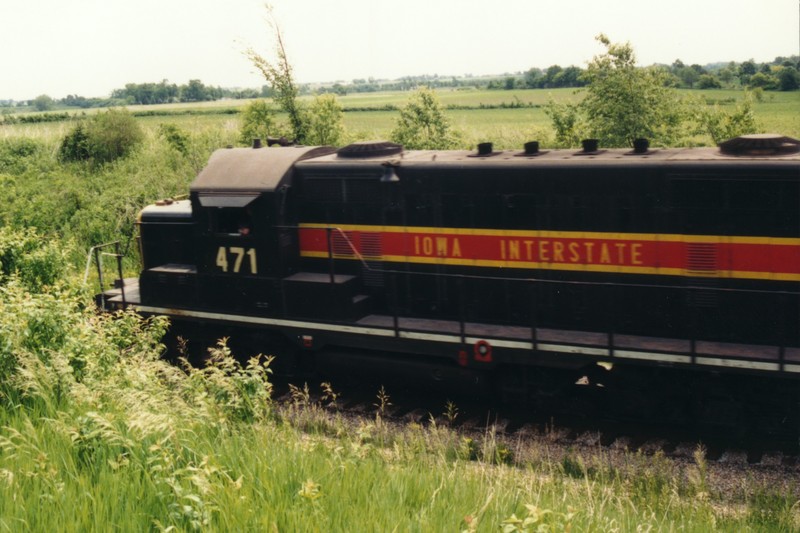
<point>97,432</point>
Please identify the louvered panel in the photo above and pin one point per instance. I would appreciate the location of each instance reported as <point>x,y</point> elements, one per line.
<point>702,292</point>
<point>701,259</point>
<point>342,243</point>
<point>372,251</point>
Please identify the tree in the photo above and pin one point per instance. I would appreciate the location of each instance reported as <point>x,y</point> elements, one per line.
<point>622,102</point>
<point>166,92</point>
<point>550,76</point>
<point>765,81</point>
<point>708,81</point>
<point>534,78</point>
<point>727,74</point>
<point>746,69</point>
<point>278,73</point>
<point>43,103</point>
<point>571,76</point>
<point>325,121</point>
<point>788,79</point>
<point>195,91</point>
<point>688,76</point>
<point>422,124</point>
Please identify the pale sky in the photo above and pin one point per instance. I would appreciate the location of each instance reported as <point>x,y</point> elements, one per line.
<point>90,47</point>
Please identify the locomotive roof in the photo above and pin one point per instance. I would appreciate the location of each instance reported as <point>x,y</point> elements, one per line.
<point>236,176</point>
<point>516,158</point>
<point>251,170</point>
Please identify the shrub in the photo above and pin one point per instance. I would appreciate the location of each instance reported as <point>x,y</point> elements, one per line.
<point>325,121</point>
<point>75,145</point>
<point>102,138</point>
<point>257,121</point>
<point>722,125</point>
<point>422,124</point>
<point>566,121</point>
<point>19,153</point>
<point>35,261</point>
<point>175,137</point>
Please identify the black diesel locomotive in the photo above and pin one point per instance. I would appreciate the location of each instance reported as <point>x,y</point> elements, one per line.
<point>499,266</point>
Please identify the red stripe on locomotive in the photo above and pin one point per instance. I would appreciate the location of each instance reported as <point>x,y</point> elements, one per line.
<point>740,257</point>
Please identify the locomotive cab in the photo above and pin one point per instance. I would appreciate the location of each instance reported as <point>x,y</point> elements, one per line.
<point>236,244</point>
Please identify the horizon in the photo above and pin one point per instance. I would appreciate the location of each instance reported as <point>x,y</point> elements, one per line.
<point>378,80</point>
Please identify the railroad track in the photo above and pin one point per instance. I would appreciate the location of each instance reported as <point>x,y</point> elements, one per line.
<point>561,431</point>
<point>575,447</point>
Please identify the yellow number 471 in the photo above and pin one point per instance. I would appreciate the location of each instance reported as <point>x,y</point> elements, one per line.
<point>238,254</point>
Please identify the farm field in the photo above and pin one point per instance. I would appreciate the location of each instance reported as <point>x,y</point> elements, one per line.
<point>489,116</point>
<point>507,118</point>
<point>97,432</point>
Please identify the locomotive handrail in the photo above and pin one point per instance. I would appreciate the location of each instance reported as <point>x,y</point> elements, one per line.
<point>350,244</point>
<point>94,252</point>
<point>331,255</point>
<point>89,256</point>
<point>692,345</point>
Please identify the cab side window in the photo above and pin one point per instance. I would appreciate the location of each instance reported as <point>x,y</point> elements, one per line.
<point>231,221</point>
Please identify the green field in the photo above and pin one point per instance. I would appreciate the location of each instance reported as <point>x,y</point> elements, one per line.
<point>510,128</point>
<point>480,115</point>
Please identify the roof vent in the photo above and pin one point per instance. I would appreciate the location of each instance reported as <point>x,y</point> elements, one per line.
<point>641,146</point>
<point>590,147</point>
<point>367,149</point>
<point>484,150</point>
<point>531,149</point>
<point>760,144</point>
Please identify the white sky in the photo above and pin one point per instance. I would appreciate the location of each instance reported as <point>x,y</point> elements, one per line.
<point>90,47</point>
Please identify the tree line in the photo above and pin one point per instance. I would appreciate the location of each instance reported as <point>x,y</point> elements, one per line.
<point>162,92</point>
<point>781,74</point>
<point>167,93</point>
